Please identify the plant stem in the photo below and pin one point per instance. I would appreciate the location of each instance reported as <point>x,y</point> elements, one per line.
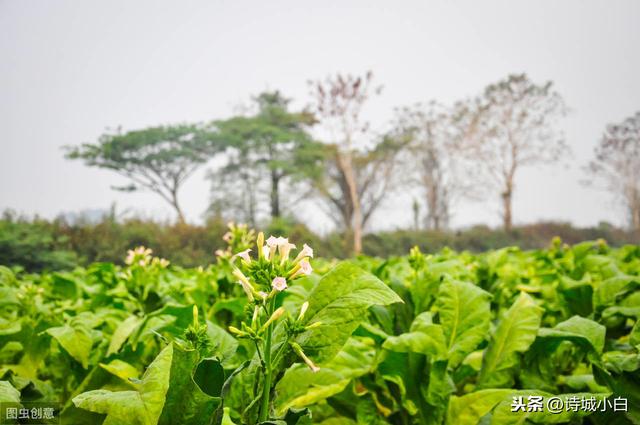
<point>266,389</point>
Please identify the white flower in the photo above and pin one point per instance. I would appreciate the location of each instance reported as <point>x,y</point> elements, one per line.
<point>265,252</point>
<point>305,268</point>
<point>141,250</point>
<point>284,249</point>
<point>130,256</point>
<point>139,255</point>
<point>244,255</point>
<point>246,285</point>
<point>279,283</point>
<point>160,262</point>
<point>302,268</point>
<point>272,243</point>
<point>226,237</point>
<point>306,251</point>
<point>219,253</point>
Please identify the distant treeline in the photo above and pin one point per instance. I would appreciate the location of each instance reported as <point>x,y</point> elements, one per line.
<point>36,244</point>
<point>270,157</point>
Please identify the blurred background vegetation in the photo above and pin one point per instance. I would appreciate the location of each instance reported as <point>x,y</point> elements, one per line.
<point>35,244</point>
<point>270,158</point>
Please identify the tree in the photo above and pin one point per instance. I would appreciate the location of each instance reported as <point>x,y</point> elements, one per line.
<point>338,103</point>
<point>159,159</point>
<point>374,177</point>
<point>617,163</point>
<point>272,145</point>
<point>516,126</point>
<point>432,134</point>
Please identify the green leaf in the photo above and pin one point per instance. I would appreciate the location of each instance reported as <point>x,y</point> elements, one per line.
<point>121,369</point>
<point>226,418</point>
<point>609,291</point>
<point>463,309</point>
<point>579,330</point>
<point>8,394</point>
<point>339,302</point>
<point>468,409</point>
<point>497,405</point>
<point>515,333</point>
<point>622,384</point>
<point>224,345</point>
<point>424,337</point>
<point>141,407</point>
<point>167,394</point>
<point>186,403</point>
<point>503,413</point>
<point>634,336</point>
<point>75,338</point>
<point>300,387</point>
<point>122,332</point>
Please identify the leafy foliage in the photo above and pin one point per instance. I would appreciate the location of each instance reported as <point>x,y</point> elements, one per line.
<point>448,338</point>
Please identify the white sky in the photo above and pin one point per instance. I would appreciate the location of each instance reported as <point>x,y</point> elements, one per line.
<point>70,69</point>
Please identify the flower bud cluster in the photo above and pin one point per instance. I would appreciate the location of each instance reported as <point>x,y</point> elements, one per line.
<point>239,237</point>
<point>263,271</point>
<point>272,268</point>
<point>141,256</point>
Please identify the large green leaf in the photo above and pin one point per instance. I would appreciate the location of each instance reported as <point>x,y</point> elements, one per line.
<point>223,344</point>
<point>75,338</point>
<point>339,302</point>
<point>141,407</point>
<point>122,332</point>
<point>468,409</point>
<point>300,387</point>
<point>167,394</point>
<point>625,385</point>
<point>610,290</point>
<point>424,337</point>
<point>579,330</point>
<point>186,403</point>
<point>515,333</point>
<point>503,413</point>
<point>463,309</point>
<point>497,405</point>
<point>634,336</point>
<point>8,394</point>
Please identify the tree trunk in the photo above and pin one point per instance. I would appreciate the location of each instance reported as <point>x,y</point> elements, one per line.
<point>275,194</point>
<point>416,215</point>
<point>635,218</point>
<point>346,165</point>
<point>506,207</point>
<point>634,207</point>
<point>176,206</point>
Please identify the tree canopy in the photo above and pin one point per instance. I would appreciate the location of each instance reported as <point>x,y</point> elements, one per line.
<point>159,159</point>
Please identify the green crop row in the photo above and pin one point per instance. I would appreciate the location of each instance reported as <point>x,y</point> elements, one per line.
<point>455,338</point>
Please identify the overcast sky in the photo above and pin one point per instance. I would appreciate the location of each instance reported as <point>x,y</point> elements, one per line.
<point>70,69</point>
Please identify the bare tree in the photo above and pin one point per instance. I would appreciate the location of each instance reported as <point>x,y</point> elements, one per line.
<point>617,163</point>
<point>435,152</point>
<point>338,103</point>
<point>516,126</point>
<point>374,175</point>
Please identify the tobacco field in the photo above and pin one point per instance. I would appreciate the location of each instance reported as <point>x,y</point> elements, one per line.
<point>269,334</point>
